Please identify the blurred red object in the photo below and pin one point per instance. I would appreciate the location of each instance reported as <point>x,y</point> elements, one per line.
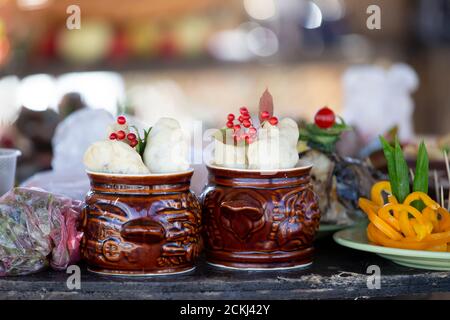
<point>7,141</point>
<point>167,48</point>
<point>120,47</point>
<point>47,46</point>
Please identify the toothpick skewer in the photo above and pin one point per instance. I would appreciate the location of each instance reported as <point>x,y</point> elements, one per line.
<point>447,166</point>
<point>442,197</point>
<point>436,186</point>
<point>411,172</point>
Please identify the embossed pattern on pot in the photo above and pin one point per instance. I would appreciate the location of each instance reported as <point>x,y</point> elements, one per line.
<point>259,221</point>
<point>141,225</point>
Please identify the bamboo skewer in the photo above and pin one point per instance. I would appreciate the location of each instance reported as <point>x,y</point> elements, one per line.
<point>436,186</point>
<point>411,172</point>
<point>447,166</point>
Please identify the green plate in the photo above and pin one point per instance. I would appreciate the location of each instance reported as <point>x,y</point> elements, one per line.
<point>356,238</point>
<point>331,227</point>
<point>326,230</point>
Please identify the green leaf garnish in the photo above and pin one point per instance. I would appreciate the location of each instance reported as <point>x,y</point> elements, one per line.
<point>422,175</point>
<point>397,169</point>
<point>399,172</point>
<point>142,141</point>
<point>390,159</point>
<point>323,139</point>
<point>402,172</point>
<point>221,135</point>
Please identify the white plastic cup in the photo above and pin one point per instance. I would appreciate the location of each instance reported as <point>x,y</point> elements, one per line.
<point>8,162</point>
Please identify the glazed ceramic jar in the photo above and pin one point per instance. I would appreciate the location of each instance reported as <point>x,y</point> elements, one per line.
<point>141,225</point>
<point>259,220</point>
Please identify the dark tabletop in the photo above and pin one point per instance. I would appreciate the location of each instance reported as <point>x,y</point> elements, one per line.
<point>337,272</point>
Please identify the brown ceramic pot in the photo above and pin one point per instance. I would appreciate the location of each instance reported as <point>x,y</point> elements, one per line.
<point>141,225</point>
<point>259,220</point>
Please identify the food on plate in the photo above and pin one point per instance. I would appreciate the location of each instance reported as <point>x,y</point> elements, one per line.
<point>167,148</point>
<point>436,147</point>
<point>403,219</point>
<point>325,132</point>
<point>37,228</point>
<point>444,143</point>
<point>338,181</point>
<point>162,148</point>
<point>244,144</point>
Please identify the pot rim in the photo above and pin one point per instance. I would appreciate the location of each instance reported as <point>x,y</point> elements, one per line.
<point>144,175</point>
<point>299,166</point>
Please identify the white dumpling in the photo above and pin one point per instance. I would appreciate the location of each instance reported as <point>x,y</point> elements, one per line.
<point>289,131</point>
<point>229,155</point>
<point>289,134</point>
<point>276,146</point>
<point>263,154</point>
<point>167,148</point>
<point>288,155</point>
<point>113,156</point>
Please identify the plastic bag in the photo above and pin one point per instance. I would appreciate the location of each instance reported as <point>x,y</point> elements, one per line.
<point>72,185</point>
<point>37,229</point>
<point>74,135</point>
<point>377,99</point>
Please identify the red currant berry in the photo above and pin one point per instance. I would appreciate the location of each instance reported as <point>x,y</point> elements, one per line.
<point>131,136</point>
<point>252,130</point>
<point>243,110</point>
<point>120,134</point>
<point>325,118</point>
<point>246,116</point>
<point>230,124</point>
<point>265,115</point>
<point>241,118</point>
<point>237,127</point>
<point>133,143</point>
<point>246,123</point>
<point>230,117</point>
<point>113,136</point>
<point>121,120</point>
<point>273,121</point>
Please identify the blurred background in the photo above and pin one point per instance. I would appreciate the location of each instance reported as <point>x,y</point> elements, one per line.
<point>200,59</point>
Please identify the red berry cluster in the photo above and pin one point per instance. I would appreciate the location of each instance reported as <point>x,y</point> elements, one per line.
<point>121,135</point>
<point>265,116</point>
<point>244,130</point>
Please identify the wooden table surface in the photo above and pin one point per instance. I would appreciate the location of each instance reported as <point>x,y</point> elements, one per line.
<point>337,273</point>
